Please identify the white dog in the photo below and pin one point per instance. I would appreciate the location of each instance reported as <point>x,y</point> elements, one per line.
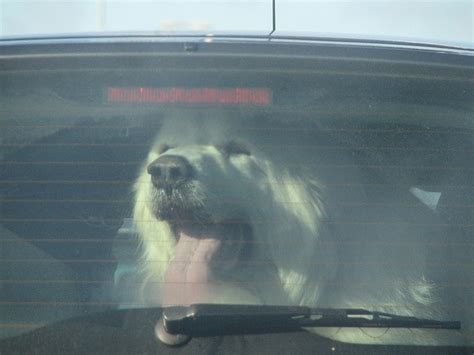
<point>220,221</point>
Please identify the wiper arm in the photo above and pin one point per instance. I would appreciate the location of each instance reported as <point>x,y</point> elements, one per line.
<point>179,323</point>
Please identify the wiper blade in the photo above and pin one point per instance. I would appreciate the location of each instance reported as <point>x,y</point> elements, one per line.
<point>180,323</point>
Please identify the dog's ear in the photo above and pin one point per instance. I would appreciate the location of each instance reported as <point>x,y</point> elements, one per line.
<point>234,147</point>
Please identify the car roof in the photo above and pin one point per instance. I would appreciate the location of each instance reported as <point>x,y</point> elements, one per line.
<point>431,22</point>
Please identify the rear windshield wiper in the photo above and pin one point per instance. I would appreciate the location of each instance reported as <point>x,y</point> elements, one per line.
<point>179,323</point>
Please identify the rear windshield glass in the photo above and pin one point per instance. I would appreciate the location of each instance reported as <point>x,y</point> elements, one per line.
<point>301,184</point>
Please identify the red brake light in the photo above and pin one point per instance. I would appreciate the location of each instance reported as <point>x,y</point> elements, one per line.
<point>224,96</point>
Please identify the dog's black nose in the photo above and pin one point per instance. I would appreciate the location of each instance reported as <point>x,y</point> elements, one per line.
<point>169,170</point>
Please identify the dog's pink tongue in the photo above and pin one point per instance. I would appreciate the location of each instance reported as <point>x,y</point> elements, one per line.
<point>187,277</point>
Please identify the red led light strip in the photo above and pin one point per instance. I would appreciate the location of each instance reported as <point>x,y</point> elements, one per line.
<point>225,96</point>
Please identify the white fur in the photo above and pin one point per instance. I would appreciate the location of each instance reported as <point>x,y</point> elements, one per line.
<point>307,263</point>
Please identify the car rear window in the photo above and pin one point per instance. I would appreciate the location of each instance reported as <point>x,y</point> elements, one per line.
<point>371,156</point>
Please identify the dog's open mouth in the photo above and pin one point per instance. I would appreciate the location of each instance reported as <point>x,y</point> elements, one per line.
<point>203,253</point>
<point>206,250</point>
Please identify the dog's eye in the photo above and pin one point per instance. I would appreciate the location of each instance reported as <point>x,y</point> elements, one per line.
<point>234,148</point>
<point>163,148</point>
